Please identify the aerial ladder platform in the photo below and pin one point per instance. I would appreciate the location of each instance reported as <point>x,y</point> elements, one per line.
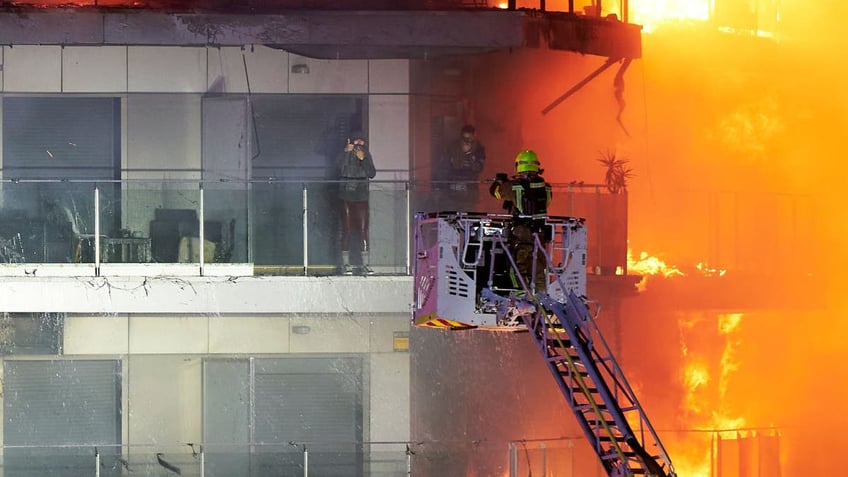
<point>465,278</point>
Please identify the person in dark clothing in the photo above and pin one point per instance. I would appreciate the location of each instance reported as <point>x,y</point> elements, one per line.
<point>526,197</point>
<point>464,159</point>
<point>356,168</point>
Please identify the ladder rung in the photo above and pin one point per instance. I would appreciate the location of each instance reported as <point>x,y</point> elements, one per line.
<point>596,422</point>
<point>585,407</point>
<point>578,389</point>
<point>568,372</point>
<point>614,456</point>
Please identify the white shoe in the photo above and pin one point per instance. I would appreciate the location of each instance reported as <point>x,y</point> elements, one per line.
<point>366,270</point>
<point>347,270</point>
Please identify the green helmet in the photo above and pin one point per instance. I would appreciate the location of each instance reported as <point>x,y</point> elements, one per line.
<point>526,161</point>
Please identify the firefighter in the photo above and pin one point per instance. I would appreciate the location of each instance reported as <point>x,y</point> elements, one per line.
<point>526,196</point>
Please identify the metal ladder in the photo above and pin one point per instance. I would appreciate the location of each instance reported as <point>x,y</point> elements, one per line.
<point>592,383</point>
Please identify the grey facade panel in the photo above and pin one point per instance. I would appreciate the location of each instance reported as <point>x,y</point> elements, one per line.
<point>265,415</point>
<point>56,413</point>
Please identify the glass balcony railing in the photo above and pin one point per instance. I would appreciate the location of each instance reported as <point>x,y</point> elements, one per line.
<point>271,227</point>
<point>383,459</point>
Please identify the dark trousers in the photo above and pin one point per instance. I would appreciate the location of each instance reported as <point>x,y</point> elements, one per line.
<point>521,243</point>
<point>354,215</point>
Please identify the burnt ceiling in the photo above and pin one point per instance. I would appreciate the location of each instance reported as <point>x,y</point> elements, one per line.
<point>328,34</point>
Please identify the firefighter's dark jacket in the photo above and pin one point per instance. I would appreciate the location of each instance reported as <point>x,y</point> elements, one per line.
<point>526,196</point>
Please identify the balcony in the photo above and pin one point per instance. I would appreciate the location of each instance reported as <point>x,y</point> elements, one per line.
<point>282,227</point>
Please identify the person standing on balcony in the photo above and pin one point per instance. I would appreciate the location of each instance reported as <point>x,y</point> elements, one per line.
<point>526,196</point>
<point>356,168</point>
<point>464,160</point>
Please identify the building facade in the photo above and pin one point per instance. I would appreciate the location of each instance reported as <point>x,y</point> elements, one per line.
<point>169,228</point>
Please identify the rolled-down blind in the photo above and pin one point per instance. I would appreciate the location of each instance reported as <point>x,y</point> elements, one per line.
<point>56,138</point>
<point>315,402</point>
<point>56,412</point>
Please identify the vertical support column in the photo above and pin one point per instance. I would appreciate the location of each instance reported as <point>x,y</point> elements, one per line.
<point>305,461</point>
<point>96,463</point>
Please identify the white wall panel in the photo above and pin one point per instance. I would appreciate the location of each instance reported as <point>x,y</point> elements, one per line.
<point>383,330</point>
<point>267,70</point>
<point>328,76</point>
<point>95,335</point>
<point>164,405</point>
<point>168,334</point>
<point>388,128</point>
<point>389,397</point>
<point>94,69</point>
<point>32,69</point>
<point>166,69</point>
<point>388,76</point>
<point>330,335</point>
<point>163,131</point>
<point>231,334</point>
<point>248,334</point>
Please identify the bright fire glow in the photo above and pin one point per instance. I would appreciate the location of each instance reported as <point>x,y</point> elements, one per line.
<point>648,265</point>
<point>710,272</point>
<point>652,13</point>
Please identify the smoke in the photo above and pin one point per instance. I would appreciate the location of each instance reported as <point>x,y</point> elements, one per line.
<point>742,138</point>
<point>736,144</point>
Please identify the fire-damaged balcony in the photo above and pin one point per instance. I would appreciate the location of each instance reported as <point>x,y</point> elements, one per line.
<point>130,234</point>
<point>317,29</point>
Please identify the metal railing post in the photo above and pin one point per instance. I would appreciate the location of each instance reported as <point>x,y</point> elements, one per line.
<point>202,232</point>
<point>96,230</point>
<point>408,229</point>
<point>96,463</point>
<point>513,460</point>
<point>544,458</point>
<point>305,230</point>
<point>202,461</point>
<point>305,461</point>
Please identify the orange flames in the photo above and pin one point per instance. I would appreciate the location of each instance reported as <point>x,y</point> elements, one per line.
<point>705,384</point>
<point>648,265</point>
